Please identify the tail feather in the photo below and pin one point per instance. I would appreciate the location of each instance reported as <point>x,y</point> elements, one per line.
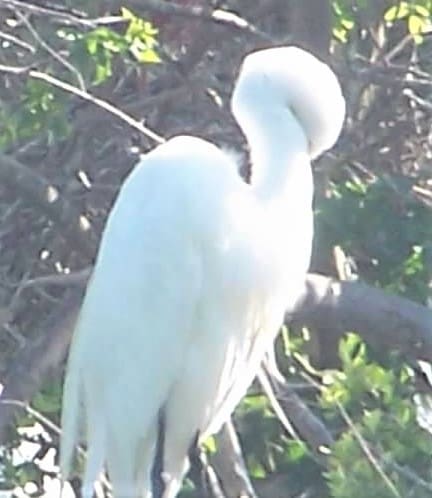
<point>95,458</point>
<point>71,419</point>
<point>129,462</point>
<point>116,434</point>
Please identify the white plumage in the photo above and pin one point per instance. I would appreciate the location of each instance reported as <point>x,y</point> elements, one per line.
<point>195,271</point>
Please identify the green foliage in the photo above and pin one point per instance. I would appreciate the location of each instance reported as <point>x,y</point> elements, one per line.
<point>48,400</point>
<point>344,20</point>
<point>95,51</point>
<point>22,459</point>
<point>42,109</point>
<point>381,438</point>
<point>416,14</point>
<point>385,228</point>
<point>266,446</point>
<point>140,36</point>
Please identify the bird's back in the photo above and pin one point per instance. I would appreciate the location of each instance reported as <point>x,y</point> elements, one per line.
<point>186,295</point>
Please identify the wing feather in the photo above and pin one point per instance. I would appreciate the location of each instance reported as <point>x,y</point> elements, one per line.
<point>135,325</point>
<point>176,315</point>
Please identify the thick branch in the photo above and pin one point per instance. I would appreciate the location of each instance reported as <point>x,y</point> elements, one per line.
<point>385,321</point>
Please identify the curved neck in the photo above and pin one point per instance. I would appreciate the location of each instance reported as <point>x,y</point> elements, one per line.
<point>281,169</point>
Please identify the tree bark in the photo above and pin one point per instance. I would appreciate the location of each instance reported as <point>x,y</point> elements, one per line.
<point>310,25</point>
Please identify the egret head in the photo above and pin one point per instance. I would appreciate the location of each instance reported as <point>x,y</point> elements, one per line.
<point>291,78</point>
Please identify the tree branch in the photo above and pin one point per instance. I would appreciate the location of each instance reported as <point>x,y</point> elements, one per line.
<point>40,358</point>
<point>383,320</point>
<point>287,404</point>
<point>229,464</point>
<point>84,95</point>
<point>32,186</point>
<point>202,13</point>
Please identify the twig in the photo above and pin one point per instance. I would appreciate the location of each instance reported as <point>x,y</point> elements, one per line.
<point>218,16</point>
<point>265,380</point>
<point>397,49</point>
<point>360,439</point>
<point>77,278</point>
<point>49,424</point>
<point>229,464</point>
<point>419,100</point>
<point>51,51</point>
<point>60,13</point>
<point>204,13</point>
<point>17,41</point>
<point>203,475</point>
<point>305,425</point>
<point>367,451</point>
<point>103,104</point>
<point>409,474</point>
<point>30,185</point>
<point>39,358</point>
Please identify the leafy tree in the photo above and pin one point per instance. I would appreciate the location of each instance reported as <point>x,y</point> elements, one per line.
<point>87,86</point>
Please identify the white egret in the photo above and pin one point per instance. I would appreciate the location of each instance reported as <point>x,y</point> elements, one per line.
<point>195,271</point>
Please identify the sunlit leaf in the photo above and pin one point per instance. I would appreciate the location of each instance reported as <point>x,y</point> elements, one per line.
<point>416,24</point>
<point>398,11</point>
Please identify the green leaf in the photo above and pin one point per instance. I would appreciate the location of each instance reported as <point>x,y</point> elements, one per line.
<point>421,10</point>
<point>140,35</point>
<point>92,44</point>
<point>147,56</point>
<point>372,419</point>
<point>399,11</point>
<point>127,14</point>
<point>102,73</point>
<point>352,349</point>
<point>296,450</point>
<point>210,444</point>
<point>416,24</point>
<point>340,34</point>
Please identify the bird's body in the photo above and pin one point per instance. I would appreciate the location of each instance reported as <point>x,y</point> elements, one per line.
<point>195,271</point>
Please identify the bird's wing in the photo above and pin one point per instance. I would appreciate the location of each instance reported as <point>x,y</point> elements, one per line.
<point>135,324</point>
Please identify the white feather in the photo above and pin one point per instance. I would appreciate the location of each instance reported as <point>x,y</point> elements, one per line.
<point>194,274</point>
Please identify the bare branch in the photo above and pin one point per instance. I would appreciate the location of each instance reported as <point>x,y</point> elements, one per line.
<point>368,452</point>
<point>59,279</point>
<point>29,185</point>
<point>103,104</point>
<point>202,13</point>
<point>17,41</point>
<point>51,51</point>
<point>39,359</point>
<point>229,464</point>
<point>295,415</point>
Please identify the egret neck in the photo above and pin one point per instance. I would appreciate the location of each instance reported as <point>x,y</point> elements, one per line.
<point>281,169</point>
